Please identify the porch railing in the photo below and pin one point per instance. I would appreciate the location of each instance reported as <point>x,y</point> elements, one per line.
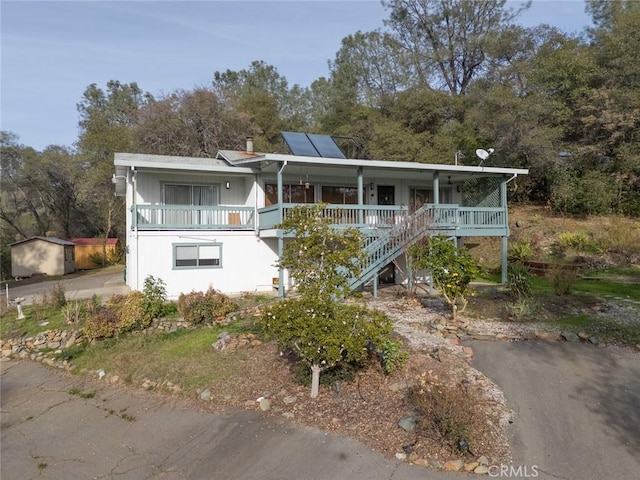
<point>464,220</point>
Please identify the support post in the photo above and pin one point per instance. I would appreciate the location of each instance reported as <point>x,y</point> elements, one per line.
<point>504,260</point>
<point>280,232</point>
<point>436,188</point>
<point>360,196</point>
<point>375,285</point>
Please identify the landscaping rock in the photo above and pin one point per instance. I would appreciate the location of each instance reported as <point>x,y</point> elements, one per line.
<point>265,404</point>
<point>483,461</point>
<point>469,467</point>
<point>546,336</point>
<point>570,337</point>
<point>408,423</point>
<point>481,470</point>
<point>595,340</point>
<point>453,465</point>
<point>205,395</point>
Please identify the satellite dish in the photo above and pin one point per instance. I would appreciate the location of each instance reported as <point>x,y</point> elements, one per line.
<point>484,154</point>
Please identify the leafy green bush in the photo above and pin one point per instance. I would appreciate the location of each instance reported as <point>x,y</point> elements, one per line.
<point>392,355</point>
<point>155,296</point>
<point>324,334</point>
<point>520,251</point>
<point>576,240</point>
<point>205,308</point>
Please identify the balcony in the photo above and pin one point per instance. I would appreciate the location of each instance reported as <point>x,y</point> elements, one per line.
<point>191,217</point>
<point>448,219</point>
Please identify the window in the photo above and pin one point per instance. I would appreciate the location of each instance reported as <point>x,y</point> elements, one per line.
<point>176,194</point>
<point>417,198</point>
<point>291,193</point>
<point>340,195</point>
<point>197,255</point>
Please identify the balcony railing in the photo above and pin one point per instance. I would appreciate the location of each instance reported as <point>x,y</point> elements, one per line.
<point>180,217</point>
<point>459,221</point>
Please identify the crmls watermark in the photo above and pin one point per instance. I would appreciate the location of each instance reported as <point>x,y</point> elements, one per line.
<point>513,471</point>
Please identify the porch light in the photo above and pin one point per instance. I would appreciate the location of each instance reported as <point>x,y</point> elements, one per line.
<point>371,186</point>
<point>228,185</point>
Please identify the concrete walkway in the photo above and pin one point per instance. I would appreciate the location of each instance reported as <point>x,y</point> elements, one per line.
<point>50,433</point>
<point>577,407</point>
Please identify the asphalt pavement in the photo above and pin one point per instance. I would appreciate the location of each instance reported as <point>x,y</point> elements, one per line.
<point>56,426</point>
<point>81,285</point>
<point>577,407</point>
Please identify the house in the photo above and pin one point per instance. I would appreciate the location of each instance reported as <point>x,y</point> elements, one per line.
<point>200,222</point>
<point>88,248</point>
<point>42,255</point>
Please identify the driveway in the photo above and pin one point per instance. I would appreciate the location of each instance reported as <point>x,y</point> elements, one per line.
<point>103,283</point>
<point>577,407</point>
<point>51,431</point>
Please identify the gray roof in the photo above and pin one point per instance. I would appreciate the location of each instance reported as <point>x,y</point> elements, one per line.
<point>55,240</point>
<point>168,162</point>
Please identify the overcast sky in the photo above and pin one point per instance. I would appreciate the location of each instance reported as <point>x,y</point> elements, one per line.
<point>52,50</point>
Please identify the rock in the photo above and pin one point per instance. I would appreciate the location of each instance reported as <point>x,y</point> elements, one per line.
<point>265,404</point>
<point>481,336</point>
<point>594,340</point>
<point>250,403</point>
<point>205,395</point>
<point>546,336</point>
<point>401,456</point>
<point>437,464</point>
<point>453,465</point>
<point>469,467</point>
<point>408,423</point>
<point>423,462</point>
<point>288,415</point>
<point>481,470</point>
<point>453,341</point>
<point>397,386</point>
<point>570,337</point>
<point>223,341</point>
<point>584,336</point>
<point>289,400</point>
<point>483,461</point>
<point>502,336</point>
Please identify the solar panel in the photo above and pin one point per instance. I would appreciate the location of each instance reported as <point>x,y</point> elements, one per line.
<point>299,144</point>
<point>312,145</point>
<point>326,146</point>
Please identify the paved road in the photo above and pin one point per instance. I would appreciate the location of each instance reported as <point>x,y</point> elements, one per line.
<point>103,283</point>
<point>49,433</point>
<point>577,407</point>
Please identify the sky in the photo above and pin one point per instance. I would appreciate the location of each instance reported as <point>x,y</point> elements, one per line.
<point>51,51</point>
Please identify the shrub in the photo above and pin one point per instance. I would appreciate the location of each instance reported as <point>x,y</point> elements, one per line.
<point>520,251</point>
<point>72,312</point>
<point>447,413</point>
<point>576,240</point>
<point>55,296</point>
<point>519,278</point>
<point>102,323</point>
<point>130,311</point>
<point>113,257</point>
<point>205,308</point>
<point>155,296</point>
<point>392,356</point>
<point>562,278</point>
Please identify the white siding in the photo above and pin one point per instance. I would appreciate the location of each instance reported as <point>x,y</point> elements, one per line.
<point>247,262</point>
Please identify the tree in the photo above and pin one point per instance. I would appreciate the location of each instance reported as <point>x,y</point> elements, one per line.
<point>318,329</point>
<point>452,269</point>
<point>195,123</point>
<point>106,122</point>
<point>447,40</point>
<point>261,92</point>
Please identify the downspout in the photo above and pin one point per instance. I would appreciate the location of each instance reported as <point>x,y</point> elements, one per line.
<point>134,219</point>
<point>256,226</point>
<point>504,244</point>
<point>280,232</point>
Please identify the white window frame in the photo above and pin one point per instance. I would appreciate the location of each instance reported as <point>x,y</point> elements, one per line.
<point>198,246</point>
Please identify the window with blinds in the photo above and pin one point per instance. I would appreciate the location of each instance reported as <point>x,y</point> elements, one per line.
<point>197,255</point>
<point>179,194</point>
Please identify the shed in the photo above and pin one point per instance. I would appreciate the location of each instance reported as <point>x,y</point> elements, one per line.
<point>88,247</point>
<point>44,255</point>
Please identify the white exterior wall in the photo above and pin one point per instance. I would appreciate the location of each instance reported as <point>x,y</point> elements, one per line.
<point>247,262</point>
